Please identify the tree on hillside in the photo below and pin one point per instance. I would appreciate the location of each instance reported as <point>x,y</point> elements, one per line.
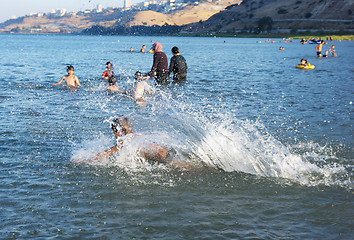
<point>265,23</point>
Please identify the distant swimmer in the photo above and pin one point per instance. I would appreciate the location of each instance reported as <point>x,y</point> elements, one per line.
<point>281,48</point>
<point>131,49</point>
<point>326,54</point>
<point>159,69</point>
<point>70,80</point>
<point>112,85</point>
<point>319,48</point>
<point>178,66</point>
<point>108,73</point>
<point>303,62</point>
<point>314,41</point>
<point>122,130</point>
<point>333,51</point>
<point>141,87</point>
<point>305,65</point>
<point>143,49</point>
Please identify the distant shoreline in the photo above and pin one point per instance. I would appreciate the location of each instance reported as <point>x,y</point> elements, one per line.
<point>348,37</point>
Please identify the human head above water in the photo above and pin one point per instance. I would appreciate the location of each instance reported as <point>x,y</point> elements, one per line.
<point>109,65</point>
<point>303,60</point>
<point>175,50</point>
<point>138,75</point>
<point>121,126</point>
<point>69,68</point>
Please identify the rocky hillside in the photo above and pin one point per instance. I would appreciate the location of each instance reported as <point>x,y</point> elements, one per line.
<point>190,13</point>
<point>289,14</point>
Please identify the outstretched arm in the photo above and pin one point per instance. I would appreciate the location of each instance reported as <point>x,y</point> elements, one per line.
<point>106,153</point>
<point>61,80</point>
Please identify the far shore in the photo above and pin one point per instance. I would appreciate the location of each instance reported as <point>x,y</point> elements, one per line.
<point>348,37</point>
<point>271,35</point>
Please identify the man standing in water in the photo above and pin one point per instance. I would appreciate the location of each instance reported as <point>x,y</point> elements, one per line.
<point>319,48</point>
<point>178,66</point>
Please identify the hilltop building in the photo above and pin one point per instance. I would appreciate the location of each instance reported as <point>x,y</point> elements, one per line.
<point>99,8</point>
<point>126,4</point>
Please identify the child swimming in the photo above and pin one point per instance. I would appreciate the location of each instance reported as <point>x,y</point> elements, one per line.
<point>122,127</point>
<point>305,65</point>
<point>108,73</point>
<point>70,80</point>
<point>326,54</point>
<point>303,62</point>
<point>141,87</point>
<point>333,51</point>
<point>112,85</point>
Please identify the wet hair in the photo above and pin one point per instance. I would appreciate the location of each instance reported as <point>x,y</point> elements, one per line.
<point>70,67</point>
<point>112,80</point>
<point>121,124</point>
<point>107,63</point>
<point>303,59</point>
<point>175,50</point>
<point>137,75</point>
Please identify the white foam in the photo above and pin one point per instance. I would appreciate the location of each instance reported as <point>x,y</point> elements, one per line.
<point>217,140</point>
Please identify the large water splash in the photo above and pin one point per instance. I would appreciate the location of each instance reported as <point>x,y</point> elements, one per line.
<point>216,139</point>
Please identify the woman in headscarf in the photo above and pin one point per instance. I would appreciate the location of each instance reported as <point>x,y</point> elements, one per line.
<point>159,68</point>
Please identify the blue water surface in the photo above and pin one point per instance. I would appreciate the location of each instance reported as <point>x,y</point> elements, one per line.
<point>273,144</point>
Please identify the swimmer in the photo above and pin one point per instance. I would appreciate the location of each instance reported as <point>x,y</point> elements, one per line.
<point>281,48</point>
<point>319,48</point>
<point>131,49</point>
<point>70,80</point>
<point>112,85</point>
<point>333,51</point>
<point>108,73</point>
<point>141,87</point>
<point>142,50</point>
<point>326,54</point>
<point>303,62</point>
<point>122,128</point>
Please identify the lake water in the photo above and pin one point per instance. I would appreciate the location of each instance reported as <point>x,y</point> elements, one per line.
<point>272,144</point>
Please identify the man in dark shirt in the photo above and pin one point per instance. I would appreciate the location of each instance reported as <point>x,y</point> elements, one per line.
<point>178,66</point>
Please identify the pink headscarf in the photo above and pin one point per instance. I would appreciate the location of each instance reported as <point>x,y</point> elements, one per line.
<point>157,47</point>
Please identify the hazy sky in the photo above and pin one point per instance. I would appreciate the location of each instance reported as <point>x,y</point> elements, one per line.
<point>18,8</point>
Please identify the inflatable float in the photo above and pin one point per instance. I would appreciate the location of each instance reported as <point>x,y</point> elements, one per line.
<point>308,66</point>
